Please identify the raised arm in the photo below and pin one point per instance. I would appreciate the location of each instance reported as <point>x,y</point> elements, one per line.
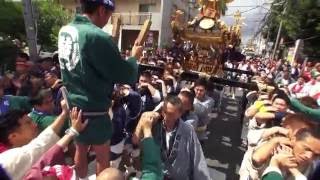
<point>313,113</point>
<point>264,152</point>
<point>55,155</point>
<point>151,160</point>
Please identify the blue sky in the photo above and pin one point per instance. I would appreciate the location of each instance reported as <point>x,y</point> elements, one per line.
<point>253,17</point>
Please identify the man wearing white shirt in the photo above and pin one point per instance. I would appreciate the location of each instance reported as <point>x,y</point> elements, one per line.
<point>22,145</point>
<point>203,105</point>
<point>298,89</point>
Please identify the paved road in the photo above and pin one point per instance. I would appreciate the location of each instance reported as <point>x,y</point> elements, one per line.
<point>223,146</point>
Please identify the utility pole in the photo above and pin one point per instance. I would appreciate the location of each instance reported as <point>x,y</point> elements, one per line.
<point>190,8</point>
<point>277,40</point>
<point>30,26</point>
<point>278,35</point>
<point>267,45</point>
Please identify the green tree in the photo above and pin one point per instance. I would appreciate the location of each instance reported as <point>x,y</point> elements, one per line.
<point>301,20</point>
<point>11,20</point>
<point>8,52</point>
<point>11,27</point>
<point>51,17</point>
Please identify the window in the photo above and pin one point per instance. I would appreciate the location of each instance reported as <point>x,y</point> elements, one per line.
<point>144,7</point>
<point>147,5</point>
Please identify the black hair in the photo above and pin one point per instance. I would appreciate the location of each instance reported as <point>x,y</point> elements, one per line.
<point>281,95</point>
<point>41,95</point>
<point>23,55</point>
<point>37,72</point>
<point>9,122</point>
<point>146,74</point>
<point>262,70</point>
<point>201,82</point>
<point>174,100</point>
<point>46,59</point>
<point>53,72</point>
<point>188,95</point>
<point>117,99</point>
<point>90,7</point>
<point>302,134</point>
<point>55,58</point>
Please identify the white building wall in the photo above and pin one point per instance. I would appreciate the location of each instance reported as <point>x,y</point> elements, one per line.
<point>161,13</point>
<point>168,7</point>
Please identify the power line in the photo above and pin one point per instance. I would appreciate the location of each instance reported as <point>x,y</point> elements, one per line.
<point>241,6</point>
<point>305,39</point>
<point>312,37</point>
<point>245,11</point>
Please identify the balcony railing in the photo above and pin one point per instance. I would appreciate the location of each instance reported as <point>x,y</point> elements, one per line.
<point>137,18</point>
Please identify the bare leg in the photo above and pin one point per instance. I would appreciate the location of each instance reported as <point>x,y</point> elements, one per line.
<point>102,156</point>
<point>81,161</point>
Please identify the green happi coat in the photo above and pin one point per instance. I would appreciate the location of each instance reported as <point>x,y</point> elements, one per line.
<point>151,160</point>
<point>272,176</point>
<point>41,119</point>
<point>9,103</point>
<point>90,64</point>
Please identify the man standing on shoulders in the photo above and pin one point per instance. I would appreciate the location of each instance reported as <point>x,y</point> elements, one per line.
<point>90,64</point>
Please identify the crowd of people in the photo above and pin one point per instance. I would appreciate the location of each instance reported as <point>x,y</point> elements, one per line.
<point>151,124</point>
<point>283,121</point>
<point>33,120</point>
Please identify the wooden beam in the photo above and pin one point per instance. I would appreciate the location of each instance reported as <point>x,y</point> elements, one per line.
<point>193,76</point>
<point>144,32</point>
<point>116,29</point>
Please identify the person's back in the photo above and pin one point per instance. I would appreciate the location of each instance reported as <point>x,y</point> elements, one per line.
<point>90,64</point>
